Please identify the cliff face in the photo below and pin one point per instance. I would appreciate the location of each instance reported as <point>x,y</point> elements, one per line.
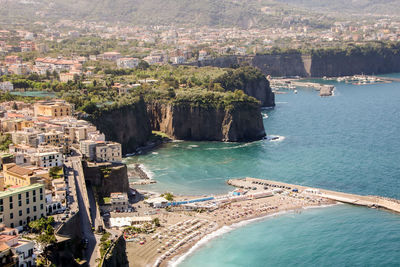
<point>281,64</point>
<point>107,177</point>
<point>344,65</point>
<point>261,90</point>
<point>185,122</point>
<point>297,64</point>
<point>117,256</point>
<point>128,125</point>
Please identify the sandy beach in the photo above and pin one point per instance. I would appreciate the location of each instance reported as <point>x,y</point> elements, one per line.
<point>180,230</point>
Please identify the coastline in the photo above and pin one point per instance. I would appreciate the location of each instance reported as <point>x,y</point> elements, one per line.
<point>180,257</point>
<point>189,223</point>
<point>228,217</point>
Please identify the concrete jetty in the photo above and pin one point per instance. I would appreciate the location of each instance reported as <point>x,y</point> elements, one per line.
<point>359,200</point>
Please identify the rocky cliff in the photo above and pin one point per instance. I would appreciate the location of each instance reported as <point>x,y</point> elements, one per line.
<point>106,177</point>
<point>251,81</point>
<point>128,125</point>
<point>378,59</point>
<point>187,122</point>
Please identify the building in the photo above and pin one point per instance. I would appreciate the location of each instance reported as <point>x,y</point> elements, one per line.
<point>23,176</point>
<point>127,62</point>
<point>88,149</point>
<point>6,86</point>
<point>26,137</point>
<point>27,46</point>
<point>49,159</point>
<point>119,201</point>
<point>14,251</point>
<point>20,205</point>
<point>112,56</point>
<point>53,109</point>
<point>108,151</point>
<point>66,77</point>
<point>9,60</point>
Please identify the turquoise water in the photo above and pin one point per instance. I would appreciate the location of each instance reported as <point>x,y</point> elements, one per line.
<point>349,142</point>
<point>334,236</point>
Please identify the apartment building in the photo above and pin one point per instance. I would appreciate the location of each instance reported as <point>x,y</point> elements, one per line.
<point>20,205</point>
<point>23,176</point>
<point>119,201</point>
<point>108,151</point>
<point>53,109</point>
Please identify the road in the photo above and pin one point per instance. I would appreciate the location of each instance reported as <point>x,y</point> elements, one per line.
<point>86,205</point>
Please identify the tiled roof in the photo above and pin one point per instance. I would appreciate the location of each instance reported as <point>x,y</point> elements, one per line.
<point>20,170</point>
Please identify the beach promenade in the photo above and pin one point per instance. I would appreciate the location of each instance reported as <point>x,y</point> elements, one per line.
<point>368,201</point>
<point>183,226</point>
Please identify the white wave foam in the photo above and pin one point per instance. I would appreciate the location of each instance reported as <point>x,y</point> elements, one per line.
<point>148,172</point>
<point>193,145</point>
<point>154,153</point>
<point>275,138</point>
<point>230,147</point>
<point>265,116</point>
<point>281,102</point>
<point>226,229</point>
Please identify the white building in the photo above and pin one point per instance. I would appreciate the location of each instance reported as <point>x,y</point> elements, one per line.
<point>88,149</point>
<point>119,201</point>
<point>6,86</point>
<point>127,62</point>
<point>50,159</point>
<point>109,152</point>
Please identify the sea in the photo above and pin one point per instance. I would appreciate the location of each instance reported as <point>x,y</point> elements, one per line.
<point>349,142</point>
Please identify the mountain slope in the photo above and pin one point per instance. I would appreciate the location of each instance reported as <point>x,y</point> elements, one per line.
<point>243,13</point>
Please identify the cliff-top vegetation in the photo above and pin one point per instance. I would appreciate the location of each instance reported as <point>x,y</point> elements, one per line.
<point>177,85</point>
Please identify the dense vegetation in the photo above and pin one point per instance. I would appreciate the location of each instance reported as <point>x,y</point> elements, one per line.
<point>347,49</point>
<point>152,12</point>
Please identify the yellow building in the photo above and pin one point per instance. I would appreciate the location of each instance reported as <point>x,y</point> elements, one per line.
<point>53,109</point>
<point>23,176</point>
<point>19,206</point>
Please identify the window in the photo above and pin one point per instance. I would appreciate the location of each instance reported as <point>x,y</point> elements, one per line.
<point>1,201</point>
<point>20,222</point>
<point>41,206</point>
<point>19,196</point>
<point>12,225</point>
<point>28,210</point>
<point>11,216</point>
<point>11,206</point>
<point>41,190</point>
<point>27,194</point>
<point>34,208</point>
<point>19,203</point>
<point>27,201</point>
<point>20,213</point>
<point>34,218</point>
<point>11,199</point>
<point>34,192</point>
<point>41,197</point>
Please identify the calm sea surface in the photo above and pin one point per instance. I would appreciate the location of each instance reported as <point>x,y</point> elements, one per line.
<point>349,142</point>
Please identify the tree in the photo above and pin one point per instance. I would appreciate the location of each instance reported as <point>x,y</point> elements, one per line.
<point>143,65</point>
<point>156,222</point>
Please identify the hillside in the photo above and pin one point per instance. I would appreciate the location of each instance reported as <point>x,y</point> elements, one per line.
<point>375,7</point>
<point>250,13</point>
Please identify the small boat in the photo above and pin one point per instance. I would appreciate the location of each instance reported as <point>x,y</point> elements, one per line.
<point>295,91</point>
